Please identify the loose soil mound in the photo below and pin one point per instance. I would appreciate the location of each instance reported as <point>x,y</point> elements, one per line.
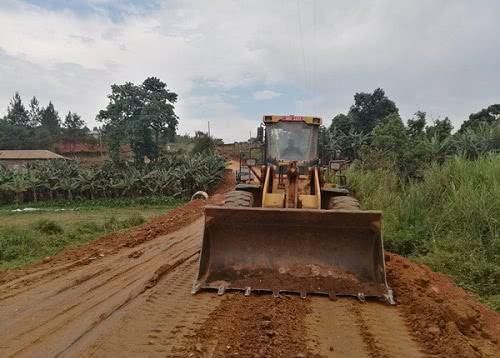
<point>445,319</point>
<point>256,326</point>
<point>307,279</point>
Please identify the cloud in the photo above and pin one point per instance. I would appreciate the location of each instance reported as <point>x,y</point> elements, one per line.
<point>69,86</point>
<point>226,120</point>
<point>265,94</point>
<point>440,57</point>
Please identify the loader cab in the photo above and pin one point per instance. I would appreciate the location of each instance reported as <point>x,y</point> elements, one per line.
<point>291,138</point>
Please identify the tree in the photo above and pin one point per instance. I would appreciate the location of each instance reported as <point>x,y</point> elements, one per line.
<point>50,120</point>
<point>340,124</point>
<point>369,109</point>
<point>390,136</point>
<point>416,126</point>
<point>16,112</point>
<point>137,112</point>
<point>73,121</point>
<point>390,148</point>
<point>34,113</point>
<point>74,128</point>
<point>440,129</point>
<point>160,108</point>
<point>18,184</point>
<point>203,143</point>
<point>487,116</point>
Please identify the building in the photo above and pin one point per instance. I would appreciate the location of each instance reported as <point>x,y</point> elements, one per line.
<point>85,153</point>
<point>91,154</point>
<point>19,159</point>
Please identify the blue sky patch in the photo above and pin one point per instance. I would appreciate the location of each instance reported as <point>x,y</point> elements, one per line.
<point>115,10</point>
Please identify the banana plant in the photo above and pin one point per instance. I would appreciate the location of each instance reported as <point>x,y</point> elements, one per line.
<point>18,184</point>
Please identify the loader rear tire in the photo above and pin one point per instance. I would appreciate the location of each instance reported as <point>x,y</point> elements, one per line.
<point>238,198</point>
<point>343,203</point>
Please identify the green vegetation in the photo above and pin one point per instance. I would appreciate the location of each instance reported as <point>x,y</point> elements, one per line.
<point>142,116</point>
<point>170,176</point>
<point>26,237</point>
<point>439,191</point>
<point>373,134</point>
<point>38,127</point>
<point>450,219</point>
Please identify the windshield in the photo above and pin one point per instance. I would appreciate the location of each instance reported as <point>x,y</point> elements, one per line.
<point>291,141</point>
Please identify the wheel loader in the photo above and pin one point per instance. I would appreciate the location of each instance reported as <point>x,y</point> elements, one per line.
<point>287,231</point>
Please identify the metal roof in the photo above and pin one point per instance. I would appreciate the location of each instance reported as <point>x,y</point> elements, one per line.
<point>29,155</point>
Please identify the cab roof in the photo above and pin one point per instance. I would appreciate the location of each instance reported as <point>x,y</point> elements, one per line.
<point>268,119</point>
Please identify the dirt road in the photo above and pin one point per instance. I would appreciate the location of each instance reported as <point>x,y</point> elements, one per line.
<point>128,294</point>
<point>138,302</point>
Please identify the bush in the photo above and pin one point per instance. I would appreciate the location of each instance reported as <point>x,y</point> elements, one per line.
<point>134,220</point>
<point>114,224</point>
<point>48,227</point>
<point>450,219</point>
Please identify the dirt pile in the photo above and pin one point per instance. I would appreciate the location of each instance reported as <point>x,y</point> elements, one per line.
<point>308,279</point>
<point>256,326</point>
<point>445,319</point>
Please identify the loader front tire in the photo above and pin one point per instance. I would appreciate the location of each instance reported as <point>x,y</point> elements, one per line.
<point>238,199</point>
<point>343,203</point>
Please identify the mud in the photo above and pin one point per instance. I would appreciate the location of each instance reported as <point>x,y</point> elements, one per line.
<point>445,319</point>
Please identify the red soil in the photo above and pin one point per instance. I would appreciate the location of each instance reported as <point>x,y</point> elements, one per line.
<point>443,317</point>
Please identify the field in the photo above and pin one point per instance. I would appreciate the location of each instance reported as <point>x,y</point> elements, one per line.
<point>33,232</point>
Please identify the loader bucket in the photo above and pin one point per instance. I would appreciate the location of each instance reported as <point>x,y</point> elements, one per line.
<point>336,252</point>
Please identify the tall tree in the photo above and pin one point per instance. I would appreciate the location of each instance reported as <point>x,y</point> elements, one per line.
<point>16,112</point>
<point>73,121</point>
<point>74,129</point>
<point>485,116</point>
<point>369,109</point>
<point>34,113</point>
<point>50,119</point>
<point>136,113</point>
<point>341,124</point>
<point>160,108</point>
<point>390,135</point>
<point>440,129</point>
<point>416,125</point>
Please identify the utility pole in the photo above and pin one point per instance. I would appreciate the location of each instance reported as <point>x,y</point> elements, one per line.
<point>209,128</point>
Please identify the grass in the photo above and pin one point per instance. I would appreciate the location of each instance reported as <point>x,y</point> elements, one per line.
<point>26,237</point>
<point>450,220</point>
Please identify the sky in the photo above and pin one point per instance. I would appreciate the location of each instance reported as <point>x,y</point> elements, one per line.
<point>233,61</point>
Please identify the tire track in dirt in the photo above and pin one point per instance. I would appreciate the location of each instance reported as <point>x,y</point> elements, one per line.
<point>254,326</point>
<point>389,330</point>
<point>332,329</point>
<point>347,328</point>
<point>114,285</point>
<point>50,317</point>
<point>157,325</point>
